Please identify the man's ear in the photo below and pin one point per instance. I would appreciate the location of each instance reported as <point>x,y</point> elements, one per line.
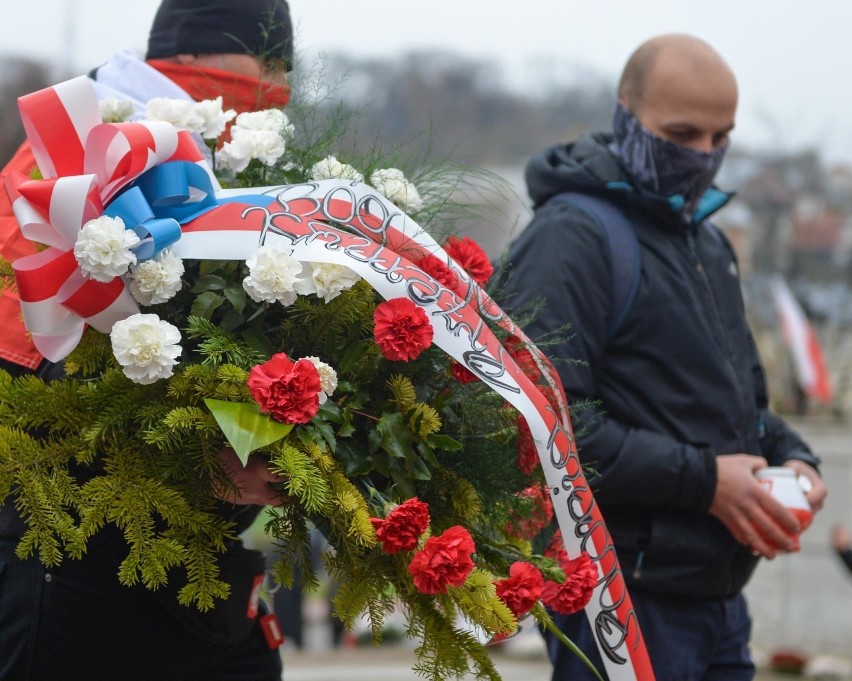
<point>187,59</point>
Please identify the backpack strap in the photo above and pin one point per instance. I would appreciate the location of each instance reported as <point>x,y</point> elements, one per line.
<point>623,246</point>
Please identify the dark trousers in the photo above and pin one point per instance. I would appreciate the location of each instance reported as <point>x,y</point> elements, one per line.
<point>77,623</point>
<point>687,639</point>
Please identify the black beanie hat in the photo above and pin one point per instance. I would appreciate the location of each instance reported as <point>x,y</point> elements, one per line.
<point>258,27</point>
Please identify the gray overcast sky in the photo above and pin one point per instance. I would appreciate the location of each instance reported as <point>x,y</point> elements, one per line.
<point>792,57</point>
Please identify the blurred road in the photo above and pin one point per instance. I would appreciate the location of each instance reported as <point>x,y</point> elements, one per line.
<point>393,663</point>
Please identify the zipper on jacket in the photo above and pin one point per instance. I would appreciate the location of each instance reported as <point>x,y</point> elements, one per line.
<point>702,274</point>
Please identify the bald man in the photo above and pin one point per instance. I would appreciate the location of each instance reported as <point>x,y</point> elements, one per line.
<point>620,248</point>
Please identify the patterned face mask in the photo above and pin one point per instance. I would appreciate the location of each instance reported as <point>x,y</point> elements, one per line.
<point>663,167</point>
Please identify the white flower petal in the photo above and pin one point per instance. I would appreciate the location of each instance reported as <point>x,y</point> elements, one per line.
<point>146,347</point>
<point>328,377</point>
<point>392,183</point>
<point>102,248</point>
<point>328,280</point>
<point>115,110</point>
<point>180,113</point>
<point>214,118</point>
<point>330,169</point>
<point>274,275</point>
<point>158,280</point>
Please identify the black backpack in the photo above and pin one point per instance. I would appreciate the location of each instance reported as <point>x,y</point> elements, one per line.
<point>623,247</point>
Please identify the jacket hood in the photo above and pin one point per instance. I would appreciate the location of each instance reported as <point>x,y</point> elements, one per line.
<point>589,166</point>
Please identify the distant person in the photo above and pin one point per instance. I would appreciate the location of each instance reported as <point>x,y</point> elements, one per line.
<point>672,413</point>
<point>76,622</point>
<point>841,544</point>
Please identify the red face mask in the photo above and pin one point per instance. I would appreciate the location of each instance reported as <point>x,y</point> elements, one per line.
<point>238,92</point>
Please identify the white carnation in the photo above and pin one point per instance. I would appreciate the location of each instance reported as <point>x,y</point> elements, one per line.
<point>103,248</point>
<point>181,113</point>
<point>270,120</point>
<point>273,275</point>
<point>256,134</point>
<point>328,378</point>
<point>213,117</point>
<point>157,280</point>
<point>265,145</point>
<point>328,280</point>
<point>146,347</point>
<point>331,169</point>
<point>115,110</point>
<point>232,157</point>
<point>392,183</point>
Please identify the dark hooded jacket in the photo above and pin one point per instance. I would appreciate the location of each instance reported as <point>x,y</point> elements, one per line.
<point>676,384</point>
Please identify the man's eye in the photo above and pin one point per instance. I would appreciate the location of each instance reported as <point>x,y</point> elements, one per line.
<point>720,140</point>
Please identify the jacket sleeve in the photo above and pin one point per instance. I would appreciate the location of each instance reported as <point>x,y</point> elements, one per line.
<point>558,273</point>
<point>15,342</point>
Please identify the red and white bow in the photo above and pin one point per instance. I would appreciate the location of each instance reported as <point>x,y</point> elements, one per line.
<point>84,163</point>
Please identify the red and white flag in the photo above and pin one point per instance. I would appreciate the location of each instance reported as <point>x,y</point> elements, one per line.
<point>800,337</point>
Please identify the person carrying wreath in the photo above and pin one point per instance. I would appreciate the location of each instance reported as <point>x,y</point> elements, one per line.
<point>76,621</point>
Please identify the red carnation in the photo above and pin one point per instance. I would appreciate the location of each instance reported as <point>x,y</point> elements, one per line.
<point>524,359</point>
<point>462,374</point>
<point>521,589</point>
<point>556,548</point>
<point>527,454</point>
<point>403,526</point>
<point>581,576</point>
<point>550,395</point>
<point>286,391</point>
<point>443,561</point>
<point>467,253</point>
<point>438,270</point>
<point>537,519</point>
<point>402,329</point>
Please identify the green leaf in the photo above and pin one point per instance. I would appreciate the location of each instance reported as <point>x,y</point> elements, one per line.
<point>396,438</point>
<point>326,432</point>
<point>236,295</point>
<point>428,455</point>
<point>354,459</point>
<point>232,321</point>
<point>245,427</point>
<point>257,340</point>
<point>444,443</point>
<point>419,470</point>
<point>330,412</point>
<point>205,304</point>
<point>315,431</point>
<point>210,282</point>
<point>346,427</point>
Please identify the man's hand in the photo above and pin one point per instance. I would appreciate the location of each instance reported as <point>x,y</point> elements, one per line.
<point>818,491</point>
<point>252,484</point>
<point>750,513</point>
